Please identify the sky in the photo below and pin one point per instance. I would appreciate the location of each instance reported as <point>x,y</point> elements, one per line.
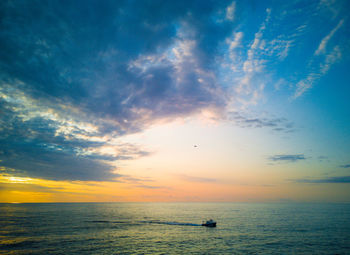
<point>218,101</point>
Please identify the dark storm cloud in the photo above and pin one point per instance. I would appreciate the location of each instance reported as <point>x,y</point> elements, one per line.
<point>287,157</point>
<point>339,179</point>
<point>77,61</point>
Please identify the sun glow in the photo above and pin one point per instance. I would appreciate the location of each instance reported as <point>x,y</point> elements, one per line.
<point>13,179</point>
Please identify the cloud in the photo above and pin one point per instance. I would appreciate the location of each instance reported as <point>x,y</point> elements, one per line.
<point>303,85</point>
<point>76,76</point>
<point>235,42</point>
<point>134,180</point>
<point>323,158</point>
<point>338,179</point>
<point>307,83</point>
<point>276,124</point>
<point>40,147</point>
<point>230,11</point>
<point>251,61</point>
<point>328,58</point>
<point>196,179</point>
<point>345,166</point>
<point>322,47</point>
<point>207,180</point>
<point>246,63</point>
<point>140,182</point>
<point>6,187</point>
<point>152,187</point>
<point>290,158</point>
<point>81,65</point>
<point>280,47</point>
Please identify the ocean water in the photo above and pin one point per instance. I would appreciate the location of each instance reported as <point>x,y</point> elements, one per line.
<point>174,228</point>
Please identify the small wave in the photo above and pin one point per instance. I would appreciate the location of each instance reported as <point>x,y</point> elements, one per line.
<point>171,223</point>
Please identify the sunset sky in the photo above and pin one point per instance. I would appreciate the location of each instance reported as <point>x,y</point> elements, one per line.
<point>245,101</point>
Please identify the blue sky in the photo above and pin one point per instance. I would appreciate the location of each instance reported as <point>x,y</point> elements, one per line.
<point>81,80</point>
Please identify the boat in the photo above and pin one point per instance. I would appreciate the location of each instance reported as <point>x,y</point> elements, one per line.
<point>209,223</point>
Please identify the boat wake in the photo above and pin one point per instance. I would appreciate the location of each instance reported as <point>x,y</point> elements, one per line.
<point>107,221</point>
<point>147,222</point>
<point>170,223</point>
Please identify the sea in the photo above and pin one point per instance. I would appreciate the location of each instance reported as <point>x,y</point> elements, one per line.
<point>174,228</point>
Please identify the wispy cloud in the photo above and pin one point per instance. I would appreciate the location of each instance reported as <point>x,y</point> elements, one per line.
<point>253,64</point>
<point>8,187</point>
<point>196,179</point>
<point>276,124</point>
<point>218,181</point>
<point>230,11</point>
<point>134,180</point>
<point>332,6</point>
<point>140,182</point>
<point>316,71</point>
<point>330,59</point>
<point>254,59</point>
<point>291,158</point>
<point>152,187</point>
<point>247,63</point>
<point>338,179</point>
<point>323,44</point>
<point>323,158</point>
<point>345,166</point>
<point>237,38</point>
<point>305,84</point>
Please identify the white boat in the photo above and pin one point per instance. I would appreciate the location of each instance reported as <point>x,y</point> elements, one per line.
<point>209,223</point>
